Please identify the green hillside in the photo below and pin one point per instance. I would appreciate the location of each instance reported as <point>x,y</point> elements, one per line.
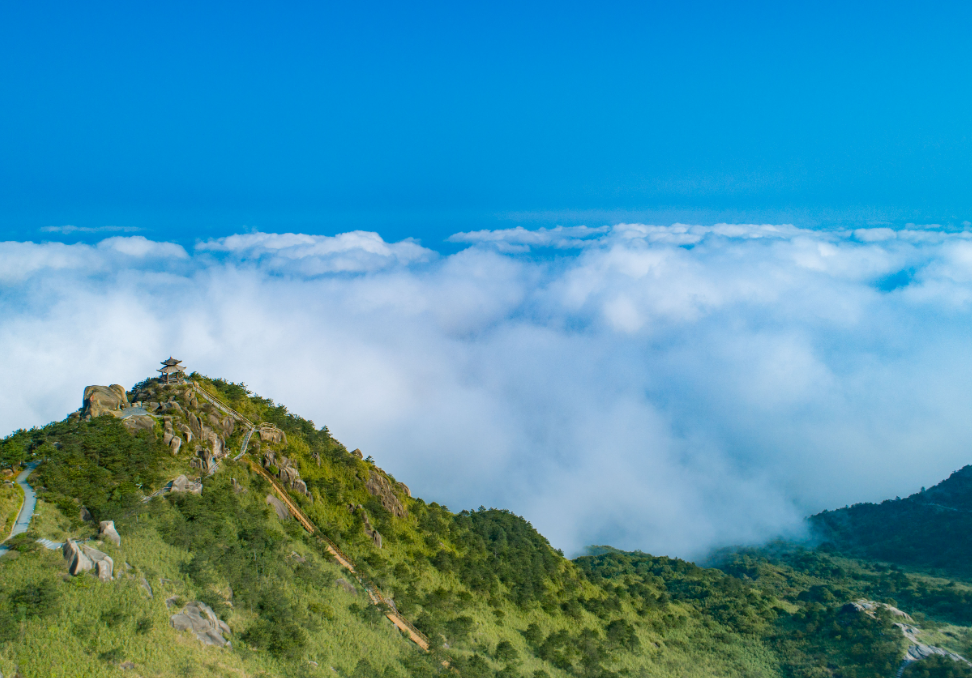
<point>489,592</point>
<point>927,530</point>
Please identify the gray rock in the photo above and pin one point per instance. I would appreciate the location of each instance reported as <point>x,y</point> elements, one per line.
<point>103,564</point>
<point>271,434</point>
<point>237,488</point>
<point>347,586</point>
<point>183,484</point>
<point>76,559</point>
<point>107,531</point>
<point>147,587</point>
<point>86,515</point>
<point>139,422</point>
<point>169,602</point>
<point>100,400</point>
<point>126,666</point>
<point>283,512</point>
<point>203,622</point>
<point>175,444</point>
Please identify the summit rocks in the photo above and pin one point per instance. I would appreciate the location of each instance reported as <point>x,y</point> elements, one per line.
<point>99,400</point>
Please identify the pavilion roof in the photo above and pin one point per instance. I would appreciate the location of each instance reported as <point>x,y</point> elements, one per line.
<point>171,361</point>
<point>170,369</point>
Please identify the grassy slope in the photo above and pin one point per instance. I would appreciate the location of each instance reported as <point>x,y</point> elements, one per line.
<point>11,498</point>
<point>489,591</point>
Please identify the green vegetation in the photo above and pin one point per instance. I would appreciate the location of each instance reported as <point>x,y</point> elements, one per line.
<point>491,594</point>
<point>887,531</point>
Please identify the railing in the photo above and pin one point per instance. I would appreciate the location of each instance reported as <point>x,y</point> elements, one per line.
<point>374,593</point>
<point>218,403</point>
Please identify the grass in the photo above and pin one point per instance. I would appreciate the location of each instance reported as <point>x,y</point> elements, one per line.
<point>492,595</point>
<point>11,498</point>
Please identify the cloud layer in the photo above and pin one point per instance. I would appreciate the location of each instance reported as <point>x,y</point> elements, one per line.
<point>669,388</point>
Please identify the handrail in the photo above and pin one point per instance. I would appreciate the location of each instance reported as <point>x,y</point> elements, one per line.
<point>218,403</point>
<point>374,593</point>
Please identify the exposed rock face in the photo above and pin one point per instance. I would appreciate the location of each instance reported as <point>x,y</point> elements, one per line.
<point>85,559</point>
<point>103,564</point>
<point>271,434</point>
<point>175,445</point>
<point>203,622</point>
<point>317,457</point>
<point>100,400</point>
<point>379,486</point>
<point>186,431</point>
<point>288,473</point>
<point>358,454</point>
<point>183,484</point>
<point>77,561</point>
<point>368,529</point>
<point>85,515</point>
<point>404,488</point>
<point>279,507</point>
<point>237,488</point>
<point>107,531</point>
<point>139,422</point>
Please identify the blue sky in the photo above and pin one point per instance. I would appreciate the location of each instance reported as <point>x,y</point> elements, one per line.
<point>665,276</point>
<point>195,120</point>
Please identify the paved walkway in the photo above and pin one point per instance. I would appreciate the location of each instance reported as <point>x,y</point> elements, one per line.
<point>27,508</point>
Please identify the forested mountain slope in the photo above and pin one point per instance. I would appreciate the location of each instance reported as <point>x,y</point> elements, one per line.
<point>931,529</point>
<point>489,592</point>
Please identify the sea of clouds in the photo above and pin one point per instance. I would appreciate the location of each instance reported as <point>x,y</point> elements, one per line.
<point>668,388</point>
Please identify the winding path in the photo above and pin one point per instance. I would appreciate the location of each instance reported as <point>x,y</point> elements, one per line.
<point>27,508</point>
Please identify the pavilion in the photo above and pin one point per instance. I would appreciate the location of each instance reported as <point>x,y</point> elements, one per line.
<point>172,371</point>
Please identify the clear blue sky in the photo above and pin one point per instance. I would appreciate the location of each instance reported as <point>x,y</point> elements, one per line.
<point>200,119</point>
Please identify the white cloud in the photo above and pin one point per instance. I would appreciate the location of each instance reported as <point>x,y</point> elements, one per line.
<point>668,388</point>
<point>354,252</point>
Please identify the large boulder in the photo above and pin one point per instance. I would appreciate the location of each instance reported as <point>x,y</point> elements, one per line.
<point>107,531</point>
<point>281,509</point>
<point>139,422</point>
<point>271,434</point>
<point>100,400</point>
<point>103,564</point>
<point>76,559</point>
<point>183,484</point>
<point>202,621</point>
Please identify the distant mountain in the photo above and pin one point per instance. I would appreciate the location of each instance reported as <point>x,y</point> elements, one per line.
<point>931,529</point>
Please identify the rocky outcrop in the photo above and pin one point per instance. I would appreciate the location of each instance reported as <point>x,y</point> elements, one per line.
<point>83,558</point>
<point>281,509</point>
<point>368,528</point>
<point>404,488</point>
<point>99,400</point>
<point>139,422</point>
<point>202,621</point>
<point>169,436</point>
<point>183,484</point>
<point>358,454</point>
<point>204,460</point>
<point>271,434</point>
<point>379,486</point>
<point>77,561</point>
<point>103,564</point>
<point>237,488</point>
<point>106,530</point>
<point>288,474</point>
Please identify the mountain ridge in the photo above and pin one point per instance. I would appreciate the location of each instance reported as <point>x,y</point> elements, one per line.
<point>490,593</point>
